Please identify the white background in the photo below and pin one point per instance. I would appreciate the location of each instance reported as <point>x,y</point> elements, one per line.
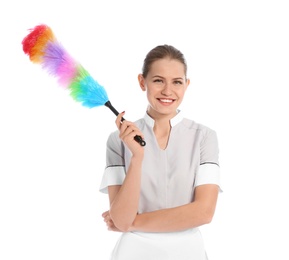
<point>53,149</point>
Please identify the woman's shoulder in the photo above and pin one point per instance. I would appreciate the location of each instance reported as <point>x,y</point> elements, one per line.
<point>113,137</point>
<point>191,124</point>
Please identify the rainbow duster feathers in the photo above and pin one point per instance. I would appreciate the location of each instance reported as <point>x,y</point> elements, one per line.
<point>43,48</point>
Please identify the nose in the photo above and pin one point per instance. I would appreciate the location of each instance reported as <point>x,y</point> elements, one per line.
<point>166,91</point>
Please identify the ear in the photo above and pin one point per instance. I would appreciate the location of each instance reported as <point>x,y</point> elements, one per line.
<point>188,83</point>
<point>141,82</point>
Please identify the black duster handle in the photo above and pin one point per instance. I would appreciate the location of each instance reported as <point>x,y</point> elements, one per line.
<point>137,137</point>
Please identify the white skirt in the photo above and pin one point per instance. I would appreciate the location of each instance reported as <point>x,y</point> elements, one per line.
<point>184,245</point>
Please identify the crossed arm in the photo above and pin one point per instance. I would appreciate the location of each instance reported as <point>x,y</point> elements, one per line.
<point>194,214</point>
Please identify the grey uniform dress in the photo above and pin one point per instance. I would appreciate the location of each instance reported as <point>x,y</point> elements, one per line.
<point>168,180</point>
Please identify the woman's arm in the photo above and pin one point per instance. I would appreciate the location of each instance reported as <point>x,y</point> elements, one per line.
<point>124,199</point>
<point>197,213</point>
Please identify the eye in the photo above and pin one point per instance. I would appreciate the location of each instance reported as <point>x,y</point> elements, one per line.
<point>178,82</point>
<point>158,81</point>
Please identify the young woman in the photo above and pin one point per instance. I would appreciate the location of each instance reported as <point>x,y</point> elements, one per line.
<point>162,192</point>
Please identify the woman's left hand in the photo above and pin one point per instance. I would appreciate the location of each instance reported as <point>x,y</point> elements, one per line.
<point>109,223</point>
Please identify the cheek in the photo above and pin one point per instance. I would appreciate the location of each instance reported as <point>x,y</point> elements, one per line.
<point>180,93</point>
<point>150,96</point>
<point>150,93</point>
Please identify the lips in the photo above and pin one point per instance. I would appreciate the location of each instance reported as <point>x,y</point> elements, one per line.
<point>165,100</point>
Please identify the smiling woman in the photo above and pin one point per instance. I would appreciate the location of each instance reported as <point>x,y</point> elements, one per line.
<point>53,149</point>
<point>161,193</point>
<point>165,84</point>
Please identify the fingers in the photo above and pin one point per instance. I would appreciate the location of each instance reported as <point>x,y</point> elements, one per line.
<point>106,217</point>
<point>104,214</point>
<point>127,129</point>
<point>108,221</point>
<point>118,120</point>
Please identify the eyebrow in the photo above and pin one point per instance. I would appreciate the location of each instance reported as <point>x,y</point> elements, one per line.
<point>158,76</point>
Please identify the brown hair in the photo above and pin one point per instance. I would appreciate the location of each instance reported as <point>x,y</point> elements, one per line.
<point>161,52</point>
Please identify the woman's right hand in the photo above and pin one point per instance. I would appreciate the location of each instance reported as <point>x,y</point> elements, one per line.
<point>127,131</point>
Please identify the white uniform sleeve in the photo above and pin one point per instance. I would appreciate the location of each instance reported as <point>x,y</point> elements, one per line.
<point>114,172</point>
<point>209,169</point>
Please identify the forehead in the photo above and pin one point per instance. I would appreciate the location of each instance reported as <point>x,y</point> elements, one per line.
<point>167,66</point>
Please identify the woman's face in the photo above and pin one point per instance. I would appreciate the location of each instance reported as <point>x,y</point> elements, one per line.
<point>165,84</point>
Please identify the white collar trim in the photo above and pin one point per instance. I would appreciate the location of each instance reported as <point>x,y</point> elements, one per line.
<point>174,121</point>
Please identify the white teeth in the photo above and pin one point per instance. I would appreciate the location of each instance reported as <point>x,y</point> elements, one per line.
<point>166,100</point>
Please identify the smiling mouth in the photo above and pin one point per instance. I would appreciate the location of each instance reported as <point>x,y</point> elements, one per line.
<point>165,100</point>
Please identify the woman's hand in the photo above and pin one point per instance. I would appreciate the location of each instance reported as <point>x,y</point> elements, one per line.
<point>109,223</point>
<point>127,132</point>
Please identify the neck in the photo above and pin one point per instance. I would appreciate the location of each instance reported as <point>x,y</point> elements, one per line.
<point>161,118</point>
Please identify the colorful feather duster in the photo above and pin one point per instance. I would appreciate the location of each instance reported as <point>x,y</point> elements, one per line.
<point>43,48</point>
